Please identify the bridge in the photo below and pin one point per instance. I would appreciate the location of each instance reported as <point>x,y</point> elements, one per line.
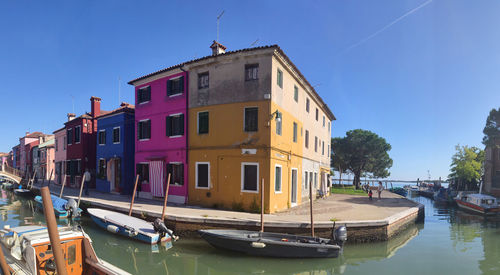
<point>11,173</point>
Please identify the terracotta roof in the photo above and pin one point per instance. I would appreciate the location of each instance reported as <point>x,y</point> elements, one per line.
<point>88,116</point>
<point>215,44</point>
<point>35,135</point>
<point>124,107</point>
<point>276,47</point>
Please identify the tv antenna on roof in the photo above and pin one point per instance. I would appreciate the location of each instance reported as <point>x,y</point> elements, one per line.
<point>218,19</point>
<point>255,42</point>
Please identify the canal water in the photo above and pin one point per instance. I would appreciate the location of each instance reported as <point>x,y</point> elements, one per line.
<point>448,242</point>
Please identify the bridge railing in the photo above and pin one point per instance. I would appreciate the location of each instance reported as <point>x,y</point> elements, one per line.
<point>12,171</point>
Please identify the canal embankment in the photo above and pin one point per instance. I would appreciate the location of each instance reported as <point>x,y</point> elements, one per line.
<point>366,221</point>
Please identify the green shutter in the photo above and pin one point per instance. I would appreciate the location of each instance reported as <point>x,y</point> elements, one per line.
<point>168,126</point>
<point>169,87</point>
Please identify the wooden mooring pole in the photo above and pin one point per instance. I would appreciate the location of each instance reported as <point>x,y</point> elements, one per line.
<point>262,206</point>
<point>55,241</point>
<point>3,263</point>
<point>311,208</point>
<point>81,189</point>
<point>62,187</point>
<point>133,195</point>
<point>163,211</point>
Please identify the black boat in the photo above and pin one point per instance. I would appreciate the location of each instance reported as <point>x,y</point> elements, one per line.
<point>23,193</point>
<point>277,244</point>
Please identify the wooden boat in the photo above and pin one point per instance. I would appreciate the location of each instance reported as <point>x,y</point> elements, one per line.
<point>28,250</point>
<point>23,192</point>
<point>477,203</point>
<point>62,208</point>
<point>276,244</point>
<point>131,227</point>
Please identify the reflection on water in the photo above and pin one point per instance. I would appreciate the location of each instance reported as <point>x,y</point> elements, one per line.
<point>452,241</point>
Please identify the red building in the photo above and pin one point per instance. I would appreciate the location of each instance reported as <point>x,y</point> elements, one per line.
<point>81,143</point>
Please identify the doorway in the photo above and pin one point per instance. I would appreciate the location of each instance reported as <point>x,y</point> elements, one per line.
<point>293,198</point>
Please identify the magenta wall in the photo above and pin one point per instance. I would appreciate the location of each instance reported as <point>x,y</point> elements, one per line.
<point>159,146</point>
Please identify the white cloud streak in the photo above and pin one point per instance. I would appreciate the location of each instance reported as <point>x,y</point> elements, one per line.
<point>364,40</point>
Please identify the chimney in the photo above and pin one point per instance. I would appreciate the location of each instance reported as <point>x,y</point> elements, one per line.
<point>27,133</point>
<point>95,106</point>
<point>124,104</point>
<point>217,48</point>
<point>71,116</point>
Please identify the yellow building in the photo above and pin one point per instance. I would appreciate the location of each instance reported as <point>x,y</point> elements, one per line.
<point>253,119</point>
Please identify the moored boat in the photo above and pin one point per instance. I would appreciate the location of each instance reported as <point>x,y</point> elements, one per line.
<point>62,208</point>
<point>478,203</point>
<point>276,244</point>
<point>131,227</point>
<point>23,192</point>
<point>28,250</point>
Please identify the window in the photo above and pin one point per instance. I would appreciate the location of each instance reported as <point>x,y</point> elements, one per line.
<point>306,181</point>
<point>322,148</point>
<point>64,143</point>
<point>176,171</point>
<point>280,78</point>
<point>116,135</point>
<point>203,175</point>
<point>306,138</point>
<point>175,86</point>
<point>249,177</point>
<point>307,105</point>
<point>328,152</point>
<point>203,80</point>
<point>77,134</point>
<point>315,144</point>
<point>323,121</point>
<point>102,137</point>
<point>144,129</point>
<point>328,126</point>
<point>251,72</point>
<point>279,124</point>
<point>296,93</point>
<point>57,144</point>
<point>277,178</point>
<point>310,179</point>
<point>101,170</point>
<point>251,119</point>
<point>295,132</point>
<point>144,95</point>
<point>69,134</point>
<point>203,122</point>
<point>317,114</point>
<point>142,169</point>
<point>175,125</point>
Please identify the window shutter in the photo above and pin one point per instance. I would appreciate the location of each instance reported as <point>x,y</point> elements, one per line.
<point>168,126</point>
<point>148,129</point>
<point>181,124</point>
<point>169,87</point>
<point>139,130</point>
<point>181,84</point>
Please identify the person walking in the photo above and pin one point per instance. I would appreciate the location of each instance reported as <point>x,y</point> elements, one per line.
<point>379,189</point>
<point>87,177</point>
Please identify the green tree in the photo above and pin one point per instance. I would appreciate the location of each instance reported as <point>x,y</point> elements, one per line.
<point>467,167</point>
<point>337,160</point>
<point>362,152</point>
<point>492,128</point>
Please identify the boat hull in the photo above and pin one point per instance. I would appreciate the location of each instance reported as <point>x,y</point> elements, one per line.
<point>60,213</point>
<point>23,193</point>
<point>270,245</point>
<point>151,237</point>
<point>477,209</point>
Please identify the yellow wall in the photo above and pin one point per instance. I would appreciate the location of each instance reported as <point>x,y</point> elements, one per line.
<point>222,148</point>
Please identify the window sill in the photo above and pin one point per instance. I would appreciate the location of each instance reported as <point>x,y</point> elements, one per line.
<point>101,144</point>
<point>202,188</point>
<point>142,103</point>
<point>116,142</point>
<point>278,192</point>
<point>250,191</point>
<point>144,139</point>
<point>177,136</point>
<point>175,95</point>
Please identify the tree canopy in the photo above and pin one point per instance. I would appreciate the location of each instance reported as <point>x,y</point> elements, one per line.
<point>361,152</point>
<point>492,128</point>
<point>467,167</point>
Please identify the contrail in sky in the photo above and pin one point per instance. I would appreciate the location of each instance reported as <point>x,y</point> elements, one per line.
<point>386,26</point>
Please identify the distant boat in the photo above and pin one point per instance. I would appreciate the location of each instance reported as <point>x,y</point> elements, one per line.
<point>23,192</point>
<point>27,250</point>
<point>62,208</point>
<point>131,227</point>
<point>478,203</point>
<point>276,244</point>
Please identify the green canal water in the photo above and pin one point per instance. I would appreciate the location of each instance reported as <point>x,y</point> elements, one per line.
<point>448,242</point>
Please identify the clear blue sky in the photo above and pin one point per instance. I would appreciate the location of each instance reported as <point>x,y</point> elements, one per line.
<point>422,74</point>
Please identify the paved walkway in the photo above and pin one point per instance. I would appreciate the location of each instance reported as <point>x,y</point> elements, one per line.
<point>338,207</point>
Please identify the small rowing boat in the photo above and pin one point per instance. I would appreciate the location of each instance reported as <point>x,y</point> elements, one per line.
<point>26,193</point>
<point>131,227</point>
<point>276,244</point>
<point>62,208</point>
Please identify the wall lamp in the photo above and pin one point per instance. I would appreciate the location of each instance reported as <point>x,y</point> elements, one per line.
<point>276,115</point>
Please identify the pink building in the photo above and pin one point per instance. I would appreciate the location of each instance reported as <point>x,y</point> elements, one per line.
<point>24,153</point>
<point>60,154</point>
<point>161,138</point>
<point>46,159</point>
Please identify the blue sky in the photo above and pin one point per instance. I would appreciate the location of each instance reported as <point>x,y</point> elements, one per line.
<point>422,74</point>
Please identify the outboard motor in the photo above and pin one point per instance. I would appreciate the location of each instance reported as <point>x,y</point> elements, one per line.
<point>340,235</point>
<point>161,228</point>
<point>73,207</point>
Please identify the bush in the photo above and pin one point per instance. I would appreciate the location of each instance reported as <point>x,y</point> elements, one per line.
<point>237,206</point>
<point>254,207</point>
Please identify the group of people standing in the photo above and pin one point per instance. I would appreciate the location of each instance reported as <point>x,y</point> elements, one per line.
<point>367,189</point>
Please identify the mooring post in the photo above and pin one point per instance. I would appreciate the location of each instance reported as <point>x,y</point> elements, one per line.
<point>163,212</point>
<point>133,195</point>
<point>262,206</point>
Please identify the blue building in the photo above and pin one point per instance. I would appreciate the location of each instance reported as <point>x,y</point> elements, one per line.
<point>115,150</point>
